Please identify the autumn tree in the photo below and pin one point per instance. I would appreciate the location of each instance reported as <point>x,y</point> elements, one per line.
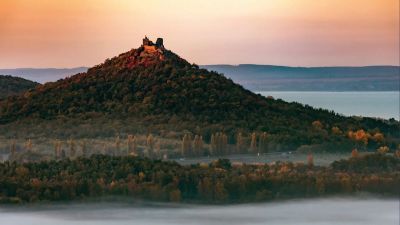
<point>57,149</point>
<point>378,137</point>
<point>310,160</point>
<point>317,125</point>
<point>220,193</point>
<point>397,153</point>
<point>219,143</point>
<point>346,183</point>
<point>240,142</point>
<point>149,145</point>
<point>354,153</point>
<point>186,145</point>
<point>213,144</point>
<point>29,145</point>
<point>198,145</point>
<point>84,149</point>
<point>72,148</point>
<point>383,150</point>
<point>117,145</point>
<point>13,149</point>
<point>157,149</point>
<point>360,136</point>
<point>262,142</point>
<point>132,145</point>
<point>253,142</point>
<point>205,189</point>
<point>336,131</point>
<point>175,195</point>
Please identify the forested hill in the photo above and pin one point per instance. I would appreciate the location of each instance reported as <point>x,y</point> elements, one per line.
<point>10,85</point>
<point>156,88</point>
<point>283,78</point>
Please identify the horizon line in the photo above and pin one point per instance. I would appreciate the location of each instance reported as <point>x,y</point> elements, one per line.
<point>222,64</point>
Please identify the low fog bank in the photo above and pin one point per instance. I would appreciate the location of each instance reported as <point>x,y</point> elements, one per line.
<point>330,211</point>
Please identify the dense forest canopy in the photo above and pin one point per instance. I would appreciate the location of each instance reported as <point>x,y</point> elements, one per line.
<point>154,89</point>
<point>217,182</point>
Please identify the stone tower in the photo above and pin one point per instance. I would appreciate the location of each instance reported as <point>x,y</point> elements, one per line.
<point>160,43</point>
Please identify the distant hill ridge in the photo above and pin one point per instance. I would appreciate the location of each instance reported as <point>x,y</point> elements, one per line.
<point>270,77</point>
<point>10,85</point>
<point>43,75</point>
<point>283,78</point>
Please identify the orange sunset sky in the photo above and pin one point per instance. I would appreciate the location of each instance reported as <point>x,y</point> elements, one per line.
<point>70,33</point>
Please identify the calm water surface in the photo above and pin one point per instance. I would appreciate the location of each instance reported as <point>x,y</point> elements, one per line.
<point>341,211</point>
<point>370,104</point>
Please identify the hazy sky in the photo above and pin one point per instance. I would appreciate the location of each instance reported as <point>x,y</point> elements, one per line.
<point>69,33</point>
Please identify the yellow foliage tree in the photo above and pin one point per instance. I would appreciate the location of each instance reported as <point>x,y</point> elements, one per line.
<point>378,137</point>
<point>219,143</point>
<point>262,143</point>
<point>253,143</point>
<point>198,145</point>
<point>186,145</point>
<point>132,145</point>
<point>383,150</point>
<point>240,143</point>
<point>359,136</point>
<point>336,130</point>
<point>149,145</point>
<point>213,144</point>
<point>317,125</point>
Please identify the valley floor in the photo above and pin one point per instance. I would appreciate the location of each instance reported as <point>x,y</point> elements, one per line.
<point>320,159</point>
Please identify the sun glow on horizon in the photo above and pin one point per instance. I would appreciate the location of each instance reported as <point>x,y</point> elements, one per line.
<point>48,33</point>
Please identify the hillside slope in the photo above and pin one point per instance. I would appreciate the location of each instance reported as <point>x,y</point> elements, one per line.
<point>157,89</point>
<point>10,85</point>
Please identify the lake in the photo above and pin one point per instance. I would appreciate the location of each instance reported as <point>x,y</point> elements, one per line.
<point>331,211</point>
<point>370,104</point>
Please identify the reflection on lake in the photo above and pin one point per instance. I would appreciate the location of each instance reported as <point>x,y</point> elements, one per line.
<point>349,211</point>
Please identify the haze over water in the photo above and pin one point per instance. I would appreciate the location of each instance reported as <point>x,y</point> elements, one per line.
<point>370,104</point>
<point>349,211</point>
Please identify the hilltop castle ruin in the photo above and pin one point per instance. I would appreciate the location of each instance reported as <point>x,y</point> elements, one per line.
<point>148,44</point>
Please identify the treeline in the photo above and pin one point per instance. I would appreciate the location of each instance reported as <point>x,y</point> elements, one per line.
<point>156,147</point>
<point>217,182</point>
